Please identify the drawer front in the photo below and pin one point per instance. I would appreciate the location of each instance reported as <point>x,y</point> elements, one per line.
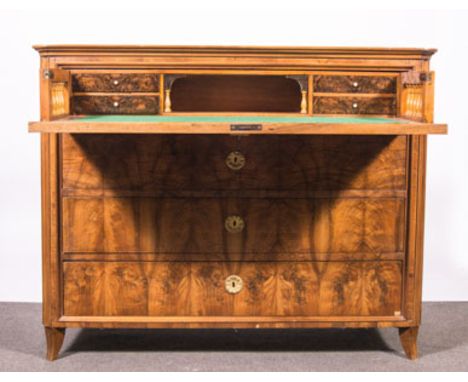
<point>350,105</point>
<point>259,289</point>
<point>166,165</point>
<point>115,104</point>
<point>115,82</point>
<point>241,228</point>
<point>354,84</point>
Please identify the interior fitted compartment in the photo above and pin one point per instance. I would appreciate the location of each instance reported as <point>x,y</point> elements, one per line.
<point>235,93</point>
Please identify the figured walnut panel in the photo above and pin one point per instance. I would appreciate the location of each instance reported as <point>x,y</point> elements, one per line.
<point>115,82</point>
<point>196,226</point>
<point>354,84</point>
<point>350,105</point>
<point>197,289</point>
<point>115,104</point>
<point>168,164</point>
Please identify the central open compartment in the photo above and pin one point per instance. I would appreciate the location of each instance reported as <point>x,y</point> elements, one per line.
<point>236,93</point>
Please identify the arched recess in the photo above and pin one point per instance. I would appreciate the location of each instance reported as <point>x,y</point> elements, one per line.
<point>235,93</point>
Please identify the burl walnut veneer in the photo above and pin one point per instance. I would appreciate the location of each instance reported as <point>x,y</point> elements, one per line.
<point>233,187</point>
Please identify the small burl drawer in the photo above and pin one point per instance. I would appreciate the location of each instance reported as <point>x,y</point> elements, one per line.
<point>350,105</point>
<point>361,288</point>
<point>116,104</point>
<point>115,82</point>
<point>354,84</point>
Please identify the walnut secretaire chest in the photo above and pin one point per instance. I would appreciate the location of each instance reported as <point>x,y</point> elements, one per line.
<point>233,187</point>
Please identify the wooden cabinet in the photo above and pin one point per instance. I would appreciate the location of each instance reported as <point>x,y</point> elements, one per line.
<point>182,188</point>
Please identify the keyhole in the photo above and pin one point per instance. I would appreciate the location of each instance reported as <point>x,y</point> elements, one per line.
<point>233,284</point>
<point>235,160</point>
<point>234,224</point>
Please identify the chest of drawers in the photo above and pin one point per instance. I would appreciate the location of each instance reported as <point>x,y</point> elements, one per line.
<point>184,189</point>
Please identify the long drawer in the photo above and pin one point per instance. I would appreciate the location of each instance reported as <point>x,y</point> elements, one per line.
<point>232,289</point>
<point>237,228</point>
<point>142,164</point>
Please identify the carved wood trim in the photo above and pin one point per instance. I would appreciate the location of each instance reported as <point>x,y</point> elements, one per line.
<point>303,81</point>
<point>417,95</point>
<point>57,85</point>
<point>169,79</point>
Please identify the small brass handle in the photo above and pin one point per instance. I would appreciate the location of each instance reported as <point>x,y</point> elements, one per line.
<point>235,160</point>
<point>115,82</point>
<point>115,104</point>
<point>234,224</point>
<point>233,284</point>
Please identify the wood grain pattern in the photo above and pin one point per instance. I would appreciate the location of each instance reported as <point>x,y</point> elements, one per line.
<point>195,226</point>
<point>54,340</point>
<point>197,289</point>
<point>72,126</point>
<point>115,82</point>
<point>158,165</point>
<point>414,264</point>
<point>115,104</point>
<point>56,89</point>
<point>230,322</point>
<point>417,96</point>
<point>51,266</point>
<point>350,105</point>
<point>238,93</point>
<point>408,339</point>
<point>354,84</point>
<point>174,59</point>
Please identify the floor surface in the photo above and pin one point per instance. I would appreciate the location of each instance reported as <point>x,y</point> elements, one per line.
<point>443,344</point>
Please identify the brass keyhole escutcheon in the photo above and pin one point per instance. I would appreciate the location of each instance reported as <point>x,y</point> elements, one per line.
<point>234,224</point>
<point>235,160</point>
<point>233,284</point>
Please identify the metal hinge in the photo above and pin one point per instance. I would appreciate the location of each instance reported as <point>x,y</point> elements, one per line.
<point>48,74</point>
<point>416,78</point>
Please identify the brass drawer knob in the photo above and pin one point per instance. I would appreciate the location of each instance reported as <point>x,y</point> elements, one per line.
<point>115,104</point>
<point>115,82</point>
<point>235,160</point>
<point>234,224</point>
<point>355,105</point>
<point>233,284</point>
<point>355,84</point>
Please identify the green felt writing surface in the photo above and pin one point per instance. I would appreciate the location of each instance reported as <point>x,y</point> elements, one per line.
<point>232,119</point>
